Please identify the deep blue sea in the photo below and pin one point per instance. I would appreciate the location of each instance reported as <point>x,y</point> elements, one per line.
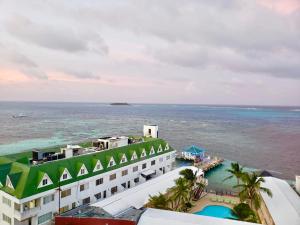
<point>257,137</point>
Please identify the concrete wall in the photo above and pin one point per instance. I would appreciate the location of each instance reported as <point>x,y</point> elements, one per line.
<point>91,221</point>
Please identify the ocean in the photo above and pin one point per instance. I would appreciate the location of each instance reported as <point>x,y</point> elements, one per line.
<point>255,136</point>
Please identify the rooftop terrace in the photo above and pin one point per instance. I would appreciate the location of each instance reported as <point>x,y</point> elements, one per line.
<point>26,177</point>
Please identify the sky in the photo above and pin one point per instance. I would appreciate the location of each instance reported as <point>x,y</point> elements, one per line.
<point>159,51</point>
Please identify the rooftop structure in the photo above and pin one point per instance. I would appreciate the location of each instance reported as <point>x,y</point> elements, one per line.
<point>151,131</point>
<point>284,206</point>
<point>138,196</point>
<point>32,193</point>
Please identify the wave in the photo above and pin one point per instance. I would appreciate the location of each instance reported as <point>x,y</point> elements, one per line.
<point>295,110</point>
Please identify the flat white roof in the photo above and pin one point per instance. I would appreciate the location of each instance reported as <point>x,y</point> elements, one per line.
<point>284,206</point>
<point>138,196</point>
<point>159,217</point>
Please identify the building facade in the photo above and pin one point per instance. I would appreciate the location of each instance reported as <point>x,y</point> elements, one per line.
<point>33,194</point>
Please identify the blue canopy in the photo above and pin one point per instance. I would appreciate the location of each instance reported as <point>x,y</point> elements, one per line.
<point>194,150</point>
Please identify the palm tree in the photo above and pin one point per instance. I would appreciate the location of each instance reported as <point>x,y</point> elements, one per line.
<point>199,189</point>
<point>159,202</point>
<point>236,171</point>
<point>191,177</point>
<point>179,194</point>
<point>250,189</point>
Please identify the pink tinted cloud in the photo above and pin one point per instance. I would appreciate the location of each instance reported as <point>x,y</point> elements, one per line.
<point>281,6</point>
<point>12,76</point>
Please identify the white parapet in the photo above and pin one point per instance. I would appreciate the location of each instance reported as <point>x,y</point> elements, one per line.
<point>298,183</point>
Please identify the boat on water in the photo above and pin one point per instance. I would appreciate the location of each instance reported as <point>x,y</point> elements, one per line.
<point>20,115</point>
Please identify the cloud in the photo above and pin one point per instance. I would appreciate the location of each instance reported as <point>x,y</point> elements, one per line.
<point>54,37</point>
<point>190,45</point>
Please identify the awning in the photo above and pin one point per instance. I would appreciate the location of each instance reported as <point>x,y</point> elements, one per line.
<point>148,173</point>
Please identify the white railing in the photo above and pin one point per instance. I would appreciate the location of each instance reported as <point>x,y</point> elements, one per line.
<point>27,213</point>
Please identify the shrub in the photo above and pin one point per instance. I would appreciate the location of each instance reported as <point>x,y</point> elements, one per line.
<point>245,213</point>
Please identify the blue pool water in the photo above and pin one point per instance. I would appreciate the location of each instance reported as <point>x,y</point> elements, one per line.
<point>217,211</point>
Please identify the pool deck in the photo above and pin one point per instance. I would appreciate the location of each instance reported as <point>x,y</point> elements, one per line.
<point>206,200</point>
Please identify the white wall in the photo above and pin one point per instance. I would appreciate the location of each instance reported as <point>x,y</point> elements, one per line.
<point>77,196</point>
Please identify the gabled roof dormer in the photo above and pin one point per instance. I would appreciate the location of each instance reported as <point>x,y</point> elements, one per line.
<point>111,162</point>
<point>65,175</point>
<point>143,154</point>
<point>83,170</point>
<point>167,147</point>
<point>13,179</point>
<point>134,156</point>
<point>98,166</point>
<point>123,159</point>
<point>44,180</point>
<point>152,151</point>
<point>159,149</point>
<point>9,183</point>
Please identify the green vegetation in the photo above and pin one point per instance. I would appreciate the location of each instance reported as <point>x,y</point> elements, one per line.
<point>249,186</point>
<point>236,171</point>
<point>245,213</point>
<point>26,177</point>
<point>180,197</point>
<point>250,189</point>
<point>159,202</point>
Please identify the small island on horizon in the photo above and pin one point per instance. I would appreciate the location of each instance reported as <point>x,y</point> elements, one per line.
<point>120,103</point>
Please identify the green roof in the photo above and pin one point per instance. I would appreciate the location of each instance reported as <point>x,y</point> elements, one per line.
<point>26,177</point>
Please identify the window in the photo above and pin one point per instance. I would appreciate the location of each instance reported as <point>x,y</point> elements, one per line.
<point>124,172</point>
<point>135,168</point>
<point>112,176</point>
<point>48,199</point>
<point>17,207</point>
<point>6,201</point>
<point>144,154</point>
<point>134,156</point>
<point>124,159</point>
<point>111,162</point>
<point>136,180</point>
<point>44,218</point>
<point>65,176</point>
<point>168,157</point>
<point>45,182</point>
<point>114,190</point>
<point>152,162</point>
<point>144,166</point>
<point>65,193</point>
<point>6,218</point>
<point>73,205</point>
<point>64,209</point>
<point>83,187</point>
<point>98,195</point>
<point>86,201</point>
<point>123,185</point>
<point>82,171</point>
<point>99,181</point>
<point>104,194</point>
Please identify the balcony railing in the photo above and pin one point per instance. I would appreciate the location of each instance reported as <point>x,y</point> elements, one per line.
<point>27,213</point>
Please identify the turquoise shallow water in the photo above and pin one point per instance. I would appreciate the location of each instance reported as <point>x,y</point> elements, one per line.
<point>217,175</point>
<point>217,211</point>
<point>258,137</point>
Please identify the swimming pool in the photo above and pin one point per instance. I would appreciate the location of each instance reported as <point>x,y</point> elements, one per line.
<point>217,211</point>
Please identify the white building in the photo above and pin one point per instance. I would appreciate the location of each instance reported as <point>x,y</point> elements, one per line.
<point>151,131</point>
<point>284,205</point>
<point>33,194</point>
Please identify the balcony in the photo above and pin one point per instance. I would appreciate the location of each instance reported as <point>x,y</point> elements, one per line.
<point>27,213</point>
